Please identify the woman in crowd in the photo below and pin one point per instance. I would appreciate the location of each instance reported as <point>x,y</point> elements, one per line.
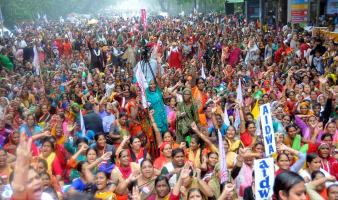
<point>285,159</point>
<point>165,156</point>
<point>186,114</point>
<point>53,163</point>
<point>193,130</point>
<point>313,163</point>
<point>103,189</point>
<point>155,99</point>
<point>146,182</point>
<point>289,185</point>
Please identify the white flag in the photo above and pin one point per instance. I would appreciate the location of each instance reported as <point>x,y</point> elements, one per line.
<point>264,178</point>
<point>223,164</point>
<point>240,101</point>
<point>239,92</point>
<point>36,62</point>
<point>123,102</point>
<point>237,121</point>
<point>142,82</point>
<point>267,129</point>
<point>226,117</point>
<point>45,18</point>
<point>83,128</point>
<point>203,73</point>
<point>89,78</point>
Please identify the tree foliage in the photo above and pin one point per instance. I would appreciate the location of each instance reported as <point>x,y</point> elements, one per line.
<point>15,11</point>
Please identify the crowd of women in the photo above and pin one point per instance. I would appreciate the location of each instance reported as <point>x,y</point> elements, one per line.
<point>76,120</point>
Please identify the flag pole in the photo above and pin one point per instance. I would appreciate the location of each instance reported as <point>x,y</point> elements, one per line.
<point>2,22</point>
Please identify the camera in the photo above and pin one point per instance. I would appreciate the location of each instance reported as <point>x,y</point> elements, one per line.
<point>145,53</point>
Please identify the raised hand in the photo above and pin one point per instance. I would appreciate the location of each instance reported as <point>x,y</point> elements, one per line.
<point>242,152</point>
<point>185,171</point>
<point>134,176</point>
<point>282,147</point>
<point>194,126</point>
<point>126,138</point>
<point>106,156</point>
<point>322,79</point>
<point>183,145</point>
<point>47,133</point>
<point>84,148</point>
<point>229,190</point>
<point>151,113</point>
<point>23,150</point>
<point>136,193</point>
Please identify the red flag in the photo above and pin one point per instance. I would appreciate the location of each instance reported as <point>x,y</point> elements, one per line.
<point>144,18</point>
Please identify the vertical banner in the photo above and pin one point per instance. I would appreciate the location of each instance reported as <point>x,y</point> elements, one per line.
<point>264,178</point>
<point>142,83</point>
<point>1,17</point>
<point>223,164</point>
<point>144,18</point>
<point>226,117</point>
<point>82,125</point>
<point>239,98</point>
<point>299,11</point>
<point>36,62</point>
<point>267,128</point>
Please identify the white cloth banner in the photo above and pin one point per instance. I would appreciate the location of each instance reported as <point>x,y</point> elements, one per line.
<point>264,178</point>
<point>226,117</point>
<point>36,62</point>
<point>267,129</point>
<point>239,98</point>
<point>82,124</point>
<point>142,82</point>
<point>203,73</point>
<point>223,164</point>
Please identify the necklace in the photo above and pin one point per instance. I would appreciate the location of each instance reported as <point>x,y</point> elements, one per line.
<point>97,53</point>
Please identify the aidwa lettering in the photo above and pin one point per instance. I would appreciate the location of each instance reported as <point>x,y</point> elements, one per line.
<point>264,186</point>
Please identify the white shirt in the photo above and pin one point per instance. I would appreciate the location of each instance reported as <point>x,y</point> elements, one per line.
<point>107,122</point>
<point>22,44</point>
<point>109,89</point>
<point>46,196</point>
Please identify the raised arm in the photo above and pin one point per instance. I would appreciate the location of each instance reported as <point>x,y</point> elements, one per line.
<point>122,145</point>
<point>183,175</point>
<point>303,127</point>
<point>301,157</point>
<point>79,151</point>
<point>21,168</point>
<point>204,187</point>
<point>241,116</point>
<point>158,136</point>
<point>104,157</point>
<point>41,135</point>
<point>228,192</point>
<point>203,137</point>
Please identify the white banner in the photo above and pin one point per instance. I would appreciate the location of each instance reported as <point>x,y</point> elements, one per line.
<point>142,83</point>
<point>226,117</point>
<point>36,62</point>
<point>264,178</point>
<point>223,164</point>
<point>82,125</point>
<point>267,129</point>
